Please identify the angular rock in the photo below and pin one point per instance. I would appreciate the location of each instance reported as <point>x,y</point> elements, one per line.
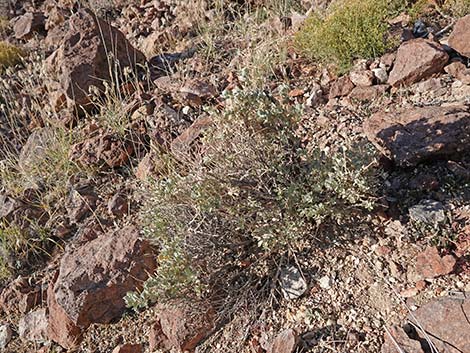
<point>368,93</point>
<point>104,150</point>
<point>128,348</point>
<point>341,87</point>
<point>81,203</point>
<point>429,264</point>
<point>428,212</point>
<point>33,326</point>
<point>181,145</point>
<point>199,88</point>
<point>292,283</point>
<point>94,278</point>
<point>20,296</point>
<point>118,205</point>
<point>6,334</point>
<point>420,134</point>
<point>179,328</point>
<point>363,78</point>
<point>60,327</point>
<point>446,323</point>
<point>458,70</point>
<point>285,342</point>
<point>25,26</point>
<point>416,60</point>
<point>84,56</point>
<point>459,39</point>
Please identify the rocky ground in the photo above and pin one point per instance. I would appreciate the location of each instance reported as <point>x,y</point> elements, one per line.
<point>80,138</point>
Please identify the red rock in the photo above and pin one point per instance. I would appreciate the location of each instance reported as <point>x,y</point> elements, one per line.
<point>145,167</point>
<point>445,321</point>
<point>419,134</point>
<point>19,296</point>
<point>93,280</point>
<point>81,61</point>
<point>341,87</point>
<point>430,264</point>
<point>128,348</point>
<point>459,39</point>
<point>25,26</point>
<point>104,150</point>
<point>296,92</point>
<point>60,328</point>
<point>181,145</point>
<point>368,93</point>
<point>285,342</point>
<point>178,327</point>
<point>458,70</point>
<point>397,339</point>
<point>416,60</point>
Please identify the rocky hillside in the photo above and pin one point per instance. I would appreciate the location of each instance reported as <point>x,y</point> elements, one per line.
<point>259,176</point>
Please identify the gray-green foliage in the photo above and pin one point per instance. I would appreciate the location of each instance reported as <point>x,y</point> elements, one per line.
<point>253,189</point>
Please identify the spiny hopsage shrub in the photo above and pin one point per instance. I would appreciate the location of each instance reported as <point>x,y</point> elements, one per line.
<point>350,29</point>
<point>252,193</point>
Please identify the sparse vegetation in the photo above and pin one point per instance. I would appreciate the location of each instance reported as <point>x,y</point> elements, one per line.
<point>351,29</point>
<point>457,8</point>
<point>254,190</point>
<point>9,55</point>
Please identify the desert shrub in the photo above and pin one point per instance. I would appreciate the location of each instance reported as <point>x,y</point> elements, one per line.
<point>350,29</point>
<point>9,55</point>
<point>252,191</point>
<point>457,8</point>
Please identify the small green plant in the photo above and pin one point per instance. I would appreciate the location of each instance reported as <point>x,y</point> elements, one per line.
<point>9,55</point>
<point>351,29</point>
<point>254,190</point>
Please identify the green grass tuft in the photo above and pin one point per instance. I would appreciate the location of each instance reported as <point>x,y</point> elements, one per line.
<point>9,55</point>
<point>351,29</point>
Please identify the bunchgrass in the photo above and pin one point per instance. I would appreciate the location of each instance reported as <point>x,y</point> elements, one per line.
<point>349,30</point>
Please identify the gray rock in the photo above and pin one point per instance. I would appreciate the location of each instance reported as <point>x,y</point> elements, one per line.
<point>292,283</point>
<point>33,326</point>
<point>5,335</point>
<point>428,212</point>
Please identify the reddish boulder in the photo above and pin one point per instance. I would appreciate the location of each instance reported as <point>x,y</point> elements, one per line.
<point>442,323</point>
<point>416,60</point>
<point>84,56</point>
<point>430,264</point>
<point>363,93</point>
<point>459,39</point>
<point>180,328</point>
<point>445,321</point>
<point>104,150</point>
<point>418,134</point>
<point>285,342</point>
<point>341,87</point>
<point>60,328</point>
<point>458,70</point>
<point>94,278</point>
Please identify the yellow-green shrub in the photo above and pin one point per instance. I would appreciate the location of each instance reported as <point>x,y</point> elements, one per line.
<point>9,55</point>
<point>349,30</point>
